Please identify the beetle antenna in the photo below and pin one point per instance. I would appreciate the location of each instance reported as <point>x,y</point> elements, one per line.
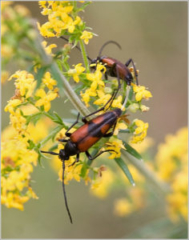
<point>76,47</point>
<point>63,185</point>
<point>64,191</point>
<point>52,153</point>
<point>106,43</point>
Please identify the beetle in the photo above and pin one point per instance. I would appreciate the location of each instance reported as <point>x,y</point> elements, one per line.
<point>114,68</point>
<point>87,135</point>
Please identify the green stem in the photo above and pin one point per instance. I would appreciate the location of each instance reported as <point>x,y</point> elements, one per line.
<point>84,54</point>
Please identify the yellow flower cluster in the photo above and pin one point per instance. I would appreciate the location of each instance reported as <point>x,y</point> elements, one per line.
<point>76,72</point>
<point>16,166</point>
<point>140,131</point>
<point>172,164</point>
<point>24,82</point>
<point>141,92</point>
<point>96,84</point>
<point>18,159</point>
<point>116,145</point>
<point>25,85</point>
<point>18,156</point>
<point>62,18</point>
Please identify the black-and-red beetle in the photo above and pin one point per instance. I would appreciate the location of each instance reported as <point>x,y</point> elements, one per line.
<point>114,68</point>
<point>87,135</point>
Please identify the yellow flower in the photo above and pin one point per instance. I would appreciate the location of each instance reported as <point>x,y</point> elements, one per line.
<point>119,125</point>
<point>86,36</point>
<point>12,104</point>
<point>140,132</point>
<point>76,72</point>
<point>172,167</point>
<point>116,145</point>
<point>49,48</point>
<point>4,76</point>
<point>45,99</point>
<point>141,92</point>
<point>46,29</point>
<point>61,17</point>
<point>102,185</point>
<point>48,81</point>
<point>18,121</point>
<point>22,11</point>
<point>172,153</point>
<point>42,4</point>
<point>86,96</point>
<point>25,82</point>
<point>123,207</point>
<point>102,98</point>
<point>117,103</point>
<point>96,77</point>
<point>144,108</point>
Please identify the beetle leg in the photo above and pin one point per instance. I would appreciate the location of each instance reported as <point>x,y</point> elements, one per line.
<point>128,62</point>
<point>102,108</point>
<point>106,75</point>
<point>134,67</point>
<point>77,160</point>
<point>92,158</point>
<point>110,133</point>
<point>67,132</point>
<point>62,140</point>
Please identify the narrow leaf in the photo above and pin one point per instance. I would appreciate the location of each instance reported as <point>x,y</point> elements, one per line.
<point>132,151</point>
<point>39,76</point>
<point>125,169</point>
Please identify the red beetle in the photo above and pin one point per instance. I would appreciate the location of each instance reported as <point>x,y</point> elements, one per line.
<point>87,135</point>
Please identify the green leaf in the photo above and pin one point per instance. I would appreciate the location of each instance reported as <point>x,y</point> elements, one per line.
<point>39,76</point>
<point>59,63</point>
<point>31,144</point>
<point>83,170</point>
<point>59,119</point>
<point>132,151</point>
<point>54,147</point>
<point>125,169</point>
<point>52,134</point>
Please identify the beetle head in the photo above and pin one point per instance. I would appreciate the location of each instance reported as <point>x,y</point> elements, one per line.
<point>62,155</point>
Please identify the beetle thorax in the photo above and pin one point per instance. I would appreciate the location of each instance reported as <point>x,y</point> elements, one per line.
<point>70,149</point>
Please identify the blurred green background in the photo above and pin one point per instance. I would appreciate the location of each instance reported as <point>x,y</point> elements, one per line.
<point>154,34</point>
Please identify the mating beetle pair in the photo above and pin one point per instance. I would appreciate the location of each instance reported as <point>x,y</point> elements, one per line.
<point>93,130</point>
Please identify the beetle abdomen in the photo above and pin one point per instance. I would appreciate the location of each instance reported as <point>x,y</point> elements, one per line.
<point>91,132</point>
